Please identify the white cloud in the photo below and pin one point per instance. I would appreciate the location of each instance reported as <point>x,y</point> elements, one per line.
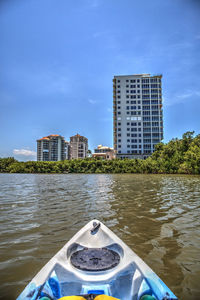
<point>24,152</point>
<point>181,98</point>
<point>91,101</point>
<point>189,94</point>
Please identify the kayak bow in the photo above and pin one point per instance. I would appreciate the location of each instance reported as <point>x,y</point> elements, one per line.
<point>96,262</point>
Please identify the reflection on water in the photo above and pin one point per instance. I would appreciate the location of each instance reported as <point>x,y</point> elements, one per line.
<point>156,215</point>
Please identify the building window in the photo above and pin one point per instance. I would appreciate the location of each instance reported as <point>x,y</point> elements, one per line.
<point>146,80</point>
<point>155,112</point>
<point>127,86</point>
<point>127,96</point>
<point>133,113</point>
<point>127,80</point>
<point>146,113</point>
<point>119,97</point>
<point>145,97</point>
<point>145,91</point>
<point>146,119</point>
<point>133,80</point>
<point>155,118</point>
<point>145,86</point>
<point>155,124</point>
<point>154,91</point>
<point>146,102</point>
<point>118,80</point>
<point>118,86</point>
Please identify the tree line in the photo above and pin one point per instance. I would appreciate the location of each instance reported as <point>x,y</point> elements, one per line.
<point>178,156</point>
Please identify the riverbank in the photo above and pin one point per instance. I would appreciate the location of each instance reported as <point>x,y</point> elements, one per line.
<point>179,156</point>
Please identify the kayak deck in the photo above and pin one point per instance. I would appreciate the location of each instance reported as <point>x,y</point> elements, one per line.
<point>96,261</point>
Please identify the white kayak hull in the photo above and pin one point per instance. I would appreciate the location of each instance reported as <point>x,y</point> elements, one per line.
<point>130,279</point>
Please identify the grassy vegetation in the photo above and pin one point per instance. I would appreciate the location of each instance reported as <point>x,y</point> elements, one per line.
<point>180,156</point>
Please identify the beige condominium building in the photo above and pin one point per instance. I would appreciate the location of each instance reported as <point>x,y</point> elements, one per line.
<point>78,146</point>
<point>137,115</point>
<point>52,148</point>
<point>104,152</point>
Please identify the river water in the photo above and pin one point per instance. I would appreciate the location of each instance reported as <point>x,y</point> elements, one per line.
<point>158,216</point>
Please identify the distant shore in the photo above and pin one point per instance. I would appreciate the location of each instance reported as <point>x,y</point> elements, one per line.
<point>179,156</point>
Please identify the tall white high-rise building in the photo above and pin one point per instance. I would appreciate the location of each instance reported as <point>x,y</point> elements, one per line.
<point>137,114</point>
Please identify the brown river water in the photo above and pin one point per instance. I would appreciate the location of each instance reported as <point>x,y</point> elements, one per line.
<point>158,216</point>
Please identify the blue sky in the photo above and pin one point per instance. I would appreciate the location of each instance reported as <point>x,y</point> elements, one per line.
<point>58,59</point>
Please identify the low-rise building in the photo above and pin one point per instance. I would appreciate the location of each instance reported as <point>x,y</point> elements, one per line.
<point>104,152</point>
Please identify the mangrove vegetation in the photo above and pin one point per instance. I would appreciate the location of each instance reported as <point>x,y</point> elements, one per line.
<point>180,156</point>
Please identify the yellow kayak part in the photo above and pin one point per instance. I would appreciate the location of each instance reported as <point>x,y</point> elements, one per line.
<point>99,297</point>
<point>72,298</point>
<point>105,297</point>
